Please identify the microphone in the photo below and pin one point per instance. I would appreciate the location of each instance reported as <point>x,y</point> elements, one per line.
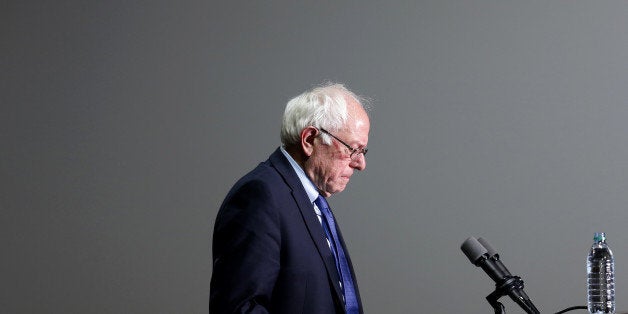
<point>483,255</point>
<point>492,255</point>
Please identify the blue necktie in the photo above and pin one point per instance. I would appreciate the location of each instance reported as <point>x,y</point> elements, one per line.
<point>351,302</point>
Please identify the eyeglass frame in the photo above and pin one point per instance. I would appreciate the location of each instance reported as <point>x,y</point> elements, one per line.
<point>354,151</point>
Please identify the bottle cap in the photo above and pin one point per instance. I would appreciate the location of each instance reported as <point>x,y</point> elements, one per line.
<point>599,237</point>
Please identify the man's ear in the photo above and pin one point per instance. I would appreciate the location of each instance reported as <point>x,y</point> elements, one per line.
<point>308,135</point>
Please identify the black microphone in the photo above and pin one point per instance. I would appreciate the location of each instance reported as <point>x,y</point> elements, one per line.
<point>492,255</point>
<point>518,293</point>
<point>482,254</point>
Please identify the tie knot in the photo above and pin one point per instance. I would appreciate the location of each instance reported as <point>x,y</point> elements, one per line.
<point>321,203</point>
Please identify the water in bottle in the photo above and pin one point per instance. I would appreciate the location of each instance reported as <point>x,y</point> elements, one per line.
<point>601,276</point>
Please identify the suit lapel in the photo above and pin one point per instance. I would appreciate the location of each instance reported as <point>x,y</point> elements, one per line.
<point>306,208</point>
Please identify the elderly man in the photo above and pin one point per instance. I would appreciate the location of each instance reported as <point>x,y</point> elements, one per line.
<point>276,245</point>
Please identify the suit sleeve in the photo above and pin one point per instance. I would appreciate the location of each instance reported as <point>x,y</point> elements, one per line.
<point>246,251</point>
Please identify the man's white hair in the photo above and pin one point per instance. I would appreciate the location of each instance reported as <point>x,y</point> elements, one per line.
<point>324,107</point>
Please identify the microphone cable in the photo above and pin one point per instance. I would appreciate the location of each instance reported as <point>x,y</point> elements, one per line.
<point>579,307</point>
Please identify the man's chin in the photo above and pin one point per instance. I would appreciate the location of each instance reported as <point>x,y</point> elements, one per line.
<point>337,189</point>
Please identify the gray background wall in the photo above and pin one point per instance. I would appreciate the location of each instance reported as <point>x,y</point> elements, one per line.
<point>123,124</point>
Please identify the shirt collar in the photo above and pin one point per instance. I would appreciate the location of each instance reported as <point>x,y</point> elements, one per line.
<point>310,189</point>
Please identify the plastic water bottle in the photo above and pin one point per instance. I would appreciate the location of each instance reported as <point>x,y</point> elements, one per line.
<point>600,276</point>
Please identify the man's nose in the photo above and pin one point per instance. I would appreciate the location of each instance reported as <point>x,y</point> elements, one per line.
<point>359,162</point>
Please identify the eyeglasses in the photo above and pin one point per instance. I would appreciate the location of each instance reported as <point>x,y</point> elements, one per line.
<point>355,152</point>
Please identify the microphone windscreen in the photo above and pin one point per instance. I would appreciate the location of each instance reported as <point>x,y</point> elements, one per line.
<point>473,249</point>
<point>491,251</point>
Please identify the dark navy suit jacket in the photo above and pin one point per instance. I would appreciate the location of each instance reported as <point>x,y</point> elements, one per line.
<point>269,250</point>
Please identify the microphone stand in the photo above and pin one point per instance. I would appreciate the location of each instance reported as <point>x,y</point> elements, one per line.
<point>509,283</point>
